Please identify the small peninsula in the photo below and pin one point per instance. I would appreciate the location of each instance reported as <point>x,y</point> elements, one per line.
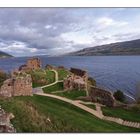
<point>4,55</point>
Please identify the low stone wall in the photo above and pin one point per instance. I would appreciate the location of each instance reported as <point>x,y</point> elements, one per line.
<point>71,83</point>
<point>101,96</point>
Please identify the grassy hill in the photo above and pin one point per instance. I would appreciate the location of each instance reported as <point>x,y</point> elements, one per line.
<point>4,55</point>
<point>119,48</point>
<point>44,114</point>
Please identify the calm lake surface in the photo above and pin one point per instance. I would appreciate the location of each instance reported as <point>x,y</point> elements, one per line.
<point>112,72</point>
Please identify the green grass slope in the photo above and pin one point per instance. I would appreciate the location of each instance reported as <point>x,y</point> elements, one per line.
<point>56,87</point>
<point>31,115</point>
<point>62,73</point>
<point>130,115</point>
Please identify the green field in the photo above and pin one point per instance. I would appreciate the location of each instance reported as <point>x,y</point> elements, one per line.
<point>50,76</point>
<point>31,115</point>
<point>130,115</point>
<point>73,94</point>
<point>62,73</point>
<point>57,87</point>
<point>38,78</point>
<point>41,77</point>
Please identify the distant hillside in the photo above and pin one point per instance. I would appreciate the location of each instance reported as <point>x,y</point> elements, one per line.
<point>119,48</point>
<point>4,55</point>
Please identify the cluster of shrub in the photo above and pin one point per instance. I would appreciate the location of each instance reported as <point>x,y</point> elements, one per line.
<point>3,77</point>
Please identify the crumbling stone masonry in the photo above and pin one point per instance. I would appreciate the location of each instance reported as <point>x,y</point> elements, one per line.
<point>77,80</point>
<point>102,96</point>
<point>32,64</point>
<point>19,84</point>
<point>5,124</point>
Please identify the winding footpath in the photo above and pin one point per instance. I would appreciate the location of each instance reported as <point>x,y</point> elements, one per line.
<point>93,112</point>
<point>80,104</point>
<point>56,79</point>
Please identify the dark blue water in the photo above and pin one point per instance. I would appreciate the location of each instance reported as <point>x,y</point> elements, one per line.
<point>112,72</point>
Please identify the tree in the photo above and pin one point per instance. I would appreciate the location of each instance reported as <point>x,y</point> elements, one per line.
<point>118,95</point>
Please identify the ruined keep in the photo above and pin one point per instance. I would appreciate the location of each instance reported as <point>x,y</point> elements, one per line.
<point>102,96</point>
<point>32,64</point>
<point>77,80</point>
<point>20,84</point>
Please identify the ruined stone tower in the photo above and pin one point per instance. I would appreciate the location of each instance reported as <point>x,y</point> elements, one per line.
<point>34,63</point>
<point>19,84</point>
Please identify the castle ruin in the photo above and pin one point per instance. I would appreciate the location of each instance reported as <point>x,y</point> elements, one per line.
<point>20,84</point>
<point>32,64</point>
<point>101,96</point>
<point>77,80</point>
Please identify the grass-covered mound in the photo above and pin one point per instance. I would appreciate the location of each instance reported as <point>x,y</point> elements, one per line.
<point>126,114</point>
<point>42,77</point>
<point>62,73</point>
<point>50,76</point>
<point>38,78</point>
<point>32,113</point>
<point>73,94</point>
<point>56,87</point>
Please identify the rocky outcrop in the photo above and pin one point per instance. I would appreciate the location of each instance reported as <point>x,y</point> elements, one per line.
<point>5,124</point>
<point>102,96</point>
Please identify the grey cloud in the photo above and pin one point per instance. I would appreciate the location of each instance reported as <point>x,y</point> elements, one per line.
<point>39,30</point>
<point>28,26</point>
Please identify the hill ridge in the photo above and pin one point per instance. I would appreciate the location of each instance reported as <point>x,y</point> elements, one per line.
<point>119,48</point>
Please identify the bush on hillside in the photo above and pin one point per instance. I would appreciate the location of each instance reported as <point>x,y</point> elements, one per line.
<point>118,95</point>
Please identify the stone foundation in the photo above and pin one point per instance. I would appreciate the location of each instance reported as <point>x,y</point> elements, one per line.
<point>77,80</point>
<point>102,96</point>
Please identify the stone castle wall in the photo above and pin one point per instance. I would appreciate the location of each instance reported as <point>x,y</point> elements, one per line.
<point>6,89</point>
<point>77,80</point>
<point>71,83</point>
<point>32,64</point>
<point>22,86</point>
<point>19,85</point>
<point>102,96</point>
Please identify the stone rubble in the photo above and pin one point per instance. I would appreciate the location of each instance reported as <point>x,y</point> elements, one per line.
<point>5,124</point>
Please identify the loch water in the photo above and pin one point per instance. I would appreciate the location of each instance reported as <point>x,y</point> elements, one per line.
<point>111,72</point>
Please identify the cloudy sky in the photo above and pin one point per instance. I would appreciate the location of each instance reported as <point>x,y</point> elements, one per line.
<point>54,31</point>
